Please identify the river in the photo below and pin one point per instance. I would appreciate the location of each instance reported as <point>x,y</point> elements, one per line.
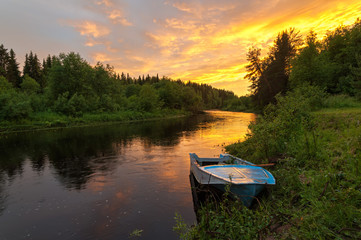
<point>105,182</point>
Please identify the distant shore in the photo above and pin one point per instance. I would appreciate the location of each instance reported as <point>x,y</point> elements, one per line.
<point>50,120</point>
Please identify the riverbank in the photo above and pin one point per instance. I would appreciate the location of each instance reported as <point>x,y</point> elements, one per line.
<point>317,169</point>
<point>51,120</point>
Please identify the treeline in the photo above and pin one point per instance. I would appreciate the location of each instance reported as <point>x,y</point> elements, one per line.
<point>332,64</point>
<point>67,84</point>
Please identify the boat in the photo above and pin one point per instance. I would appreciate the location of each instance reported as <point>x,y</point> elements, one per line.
<point>246,180</point>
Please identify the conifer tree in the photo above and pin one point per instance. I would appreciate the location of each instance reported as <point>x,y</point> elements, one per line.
<point>46,66</point>
<point>32,67</point>
<point>12,70</point>
<point>123,79</point>
<point>270,75</point>
<point>129,80</point>
<point>26,68</point>
<point>4,58</point>
<point>36,70</point>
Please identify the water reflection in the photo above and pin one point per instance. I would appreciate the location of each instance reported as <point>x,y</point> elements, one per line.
<point>203,194</point>
<point>104,182</point>
<point>83,149</point>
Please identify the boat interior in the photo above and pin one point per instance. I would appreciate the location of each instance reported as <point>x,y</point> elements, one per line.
<point>209,161</point>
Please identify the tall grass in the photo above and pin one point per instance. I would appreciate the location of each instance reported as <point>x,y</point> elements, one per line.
<point>340,101</point>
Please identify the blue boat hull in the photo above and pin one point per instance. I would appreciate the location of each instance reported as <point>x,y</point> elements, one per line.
<point>245,179</point>
<point>245,192</point>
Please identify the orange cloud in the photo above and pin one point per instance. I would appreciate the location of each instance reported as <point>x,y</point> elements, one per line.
<point>107,3</point>
<point>90,28</point>
<point>116,16</point>
<point>100,57</point>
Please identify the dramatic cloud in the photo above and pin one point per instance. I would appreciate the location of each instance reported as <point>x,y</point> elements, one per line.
<point>117,17</point>
<point>204,41</point>
<point>90,29</point>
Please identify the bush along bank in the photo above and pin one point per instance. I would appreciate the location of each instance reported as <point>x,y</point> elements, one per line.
<point>51,120</point>
<point>317,152</point>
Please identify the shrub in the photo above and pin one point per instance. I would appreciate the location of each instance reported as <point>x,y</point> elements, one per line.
<point>29,85</point>
<point>107,104</point>
<point>149,99</point>
<point>14,106</point>
<point>70,107</point>
<point>284,128</point>
<point>4,84</point>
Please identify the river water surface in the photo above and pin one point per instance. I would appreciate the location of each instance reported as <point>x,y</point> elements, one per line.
<point>105,182</point>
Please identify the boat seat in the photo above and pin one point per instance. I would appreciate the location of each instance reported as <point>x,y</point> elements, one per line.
<point>208,161</point>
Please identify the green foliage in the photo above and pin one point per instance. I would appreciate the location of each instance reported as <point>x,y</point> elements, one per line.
<point>269,76</point>
<point>183,230</point>
<point>107,104</point>
<point>340,101</point>
<point>190,100</point>
<point>133,103</point>
<point>73,106</point>
<point>29,85</point>
<point>310,66</point>
<point>71,74</point>
<point>332,63</point>
<point>285,128</point>
<point>356,73</point>
<point>132,89</point>
<point>68,85</point>
<point>227,219</point>
<point>148,98</point>
<point>32,67</point>
<point>136,233</point>
<point>4,85</point>
<point>317,195</point>
<point>12,70</point>
<point>241,104</point>
<point>170,94</point>
<point>14,106</point>
<point>4,59</point>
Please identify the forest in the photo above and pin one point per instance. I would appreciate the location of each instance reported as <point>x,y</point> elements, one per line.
<point>332,64</point>
<point>67,85</point>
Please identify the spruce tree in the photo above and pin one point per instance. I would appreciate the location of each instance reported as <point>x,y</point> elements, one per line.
<point>270,75</point>
<point>12,70</point>
<point>32,67</point>
<point>4,58</point>
<point>36,70</point>
<point>26,68</point>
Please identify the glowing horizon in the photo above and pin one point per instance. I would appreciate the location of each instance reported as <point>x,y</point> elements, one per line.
<point>203,41</point>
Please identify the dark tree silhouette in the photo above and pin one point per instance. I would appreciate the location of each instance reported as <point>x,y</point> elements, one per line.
<point>12,70</point>
<point>269,76</point>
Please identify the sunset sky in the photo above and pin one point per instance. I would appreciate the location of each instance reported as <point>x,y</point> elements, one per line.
<point>204,41</point>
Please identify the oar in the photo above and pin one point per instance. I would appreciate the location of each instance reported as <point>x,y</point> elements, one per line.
<point>265,165</point>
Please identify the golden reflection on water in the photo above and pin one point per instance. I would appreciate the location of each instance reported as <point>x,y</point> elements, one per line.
<point>211,137</point>
<point>169,166</point>
<point>154,177</point>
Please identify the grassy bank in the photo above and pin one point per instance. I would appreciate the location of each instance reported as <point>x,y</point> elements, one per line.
<point>48,120</point>
<point>317,156</point>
